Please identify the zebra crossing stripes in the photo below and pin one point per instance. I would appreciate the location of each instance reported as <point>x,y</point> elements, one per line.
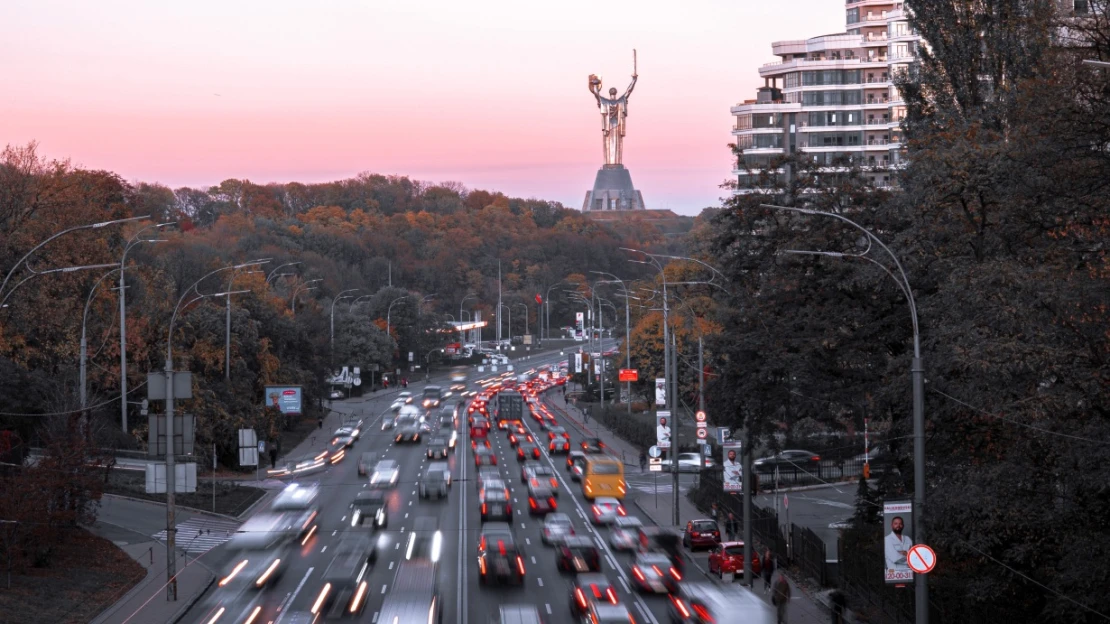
<point>199,535</point>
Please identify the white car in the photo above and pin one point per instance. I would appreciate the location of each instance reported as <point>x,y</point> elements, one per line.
<point>689,462</point>
<point>385,474</point>
<point>626,533</point>
<point>606,510</point>
<point>556,526</point>
<point>405,396</point>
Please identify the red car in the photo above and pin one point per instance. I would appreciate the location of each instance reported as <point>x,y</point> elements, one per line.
<point>728,557</point>
<point>702,533</point>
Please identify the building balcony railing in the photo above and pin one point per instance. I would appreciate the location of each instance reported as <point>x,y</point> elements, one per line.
<point>877,101</point>
<point>874,37</point>
<point>877,122</point>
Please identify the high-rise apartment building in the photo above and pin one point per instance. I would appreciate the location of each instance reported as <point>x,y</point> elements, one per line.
<point>832,96</point>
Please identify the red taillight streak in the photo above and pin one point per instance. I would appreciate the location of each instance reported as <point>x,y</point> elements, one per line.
<point>681,606</point>
<point>520,564</point>
<point>612,595</point>
<point>532,502</point>
<point>636,571</point>
<point>676,575</point>
<point>483,508</point>
<point>580,597</point>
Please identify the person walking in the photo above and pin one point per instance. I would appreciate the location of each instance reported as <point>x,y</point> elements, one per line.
<point>732,527</point>
<point>767,569</point>
<point>643,461</point>
<point>781,597</point>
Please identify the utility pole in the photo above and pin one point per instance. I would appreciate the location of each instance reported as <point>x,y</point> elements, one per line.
<point>701,376</point>
<point>747,480</point>
<point>498,305</point>
<point>673,399</point>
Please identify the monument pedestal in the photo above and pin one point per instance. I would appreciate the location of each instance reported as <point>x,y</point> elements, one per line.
<point>613,190</point>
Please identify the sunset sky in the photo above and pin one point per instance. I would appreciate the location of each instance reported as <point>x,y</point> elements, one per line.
<point>490,93</point>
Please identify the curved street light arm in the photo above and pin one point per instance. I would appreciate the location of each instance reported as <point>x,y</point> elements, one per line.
<point>88,300</point>
<point>193,289</point>
<point>837,254</point>
<point>278,268</point>
<point>905,282</point>
<point>71,269</point>
<point>88,226</point>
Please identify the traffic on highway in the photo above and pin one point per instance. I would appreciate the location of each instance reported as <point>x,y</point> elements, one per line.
<point>486,504</point>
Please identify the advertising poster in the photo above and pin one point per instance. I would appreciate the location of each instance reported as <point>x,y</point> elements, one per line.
<point>897,529</point>
<point>580,322</point>
<point>285,398</point>
<point>663,430</point>
<point>733,466</point>
<point>578,362</point>
<point>660,391</point>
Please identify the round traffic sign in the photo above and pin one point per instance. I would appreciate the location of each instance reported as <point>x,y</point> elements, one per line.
<point>700,416</point>
<point>785,501</point>
<point>921,559</point>
<point>703,433</point>
<point>655,452</point>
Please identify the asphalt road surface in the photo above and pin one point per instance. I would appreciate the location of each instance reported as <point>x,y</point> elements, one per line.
<point>290,599</point>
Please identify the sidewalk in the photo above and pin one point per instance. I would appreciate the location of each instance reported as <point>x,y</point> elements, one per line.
<point>806,607</point>
<point>146,601</point>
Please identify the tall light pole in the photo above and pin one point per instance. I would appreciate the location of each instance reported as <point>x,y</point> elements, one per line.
<point>525,305</point>
<point>171,476</point>
<point>274,274</point>
<point>300,289</point>
<point>499,324</point>
<point>135,240</point>
<point>389,312</point>
<point>331,339</point>
<point>917,375</point>
<point>627,333</point>
<point>227,322</point>
<point>84,342</point>
<point>547,308</point>
<point>89,226</point>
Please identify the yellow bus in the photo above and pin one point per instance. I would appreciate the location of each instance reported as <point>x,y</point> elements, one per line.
<point>603,477</point>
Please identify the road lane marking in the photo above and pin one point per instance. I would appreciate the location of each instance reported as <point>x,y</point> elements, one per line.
<point>324,549</point>
<point>533,559</point>
<point>293,596</point>
<point>624,583</point>
<point>383,588</point>
<point>540,581</point>
<point>375,619</point>
<point>391,565</point>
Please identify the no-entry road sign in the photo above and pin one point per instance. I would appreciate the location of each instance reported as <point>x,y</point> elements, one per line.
<point>921,559</point>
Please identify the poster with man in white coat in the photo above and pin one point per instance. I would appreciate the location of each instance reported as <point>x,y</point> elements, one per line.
<point>897,528</point>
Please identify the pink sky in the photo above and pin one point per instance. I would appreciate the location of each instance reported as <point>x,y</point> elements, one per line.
<point>491,93</point>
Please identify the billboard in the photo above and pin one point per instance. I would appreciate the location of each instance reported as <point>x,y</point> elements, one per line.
<point>733,466</point>
<point>660,391</point>
<point>580,322</point>
<point>285,398</point>
<point>663,429</point>
<point>578,362</point>
<point>628,374</point>
<point>897,529</point>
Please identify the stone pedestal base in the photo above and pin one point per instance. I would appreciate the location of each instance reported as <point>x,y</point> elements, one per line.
<point>613,190</point>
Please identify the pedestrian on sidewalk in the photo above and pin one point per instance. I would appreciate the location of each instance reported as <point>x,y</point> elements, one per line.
<point>767,569</point>
<point>273,456</point>
<point>732,527</point>
<point>643,461</point>
<point>586,416</point>
<point>781,597</point>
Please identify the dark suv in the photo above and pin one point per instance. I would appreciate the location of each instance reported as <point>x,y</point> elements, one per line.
<point>702,533</point>
<point>499,559</point>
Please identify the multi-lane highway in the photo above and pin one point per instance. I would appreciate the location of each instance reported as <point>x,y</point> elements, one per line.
<point>464,599</point>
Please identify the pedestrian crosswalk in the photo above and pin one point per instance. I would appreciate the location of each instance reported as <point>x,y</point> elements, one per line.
<point>648,484</point>
<point>199,535</point>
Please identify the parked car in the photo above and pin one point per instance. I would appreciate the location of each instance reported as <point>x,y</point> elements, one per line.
<point>728,558</point>
<point>703,533</point>
<point>788,461</point>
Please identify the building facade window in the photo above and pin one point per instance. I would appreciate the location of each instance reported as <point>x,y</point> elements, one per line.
<point>852,15</point>
<point>743,122</point>
<point>832,98</point>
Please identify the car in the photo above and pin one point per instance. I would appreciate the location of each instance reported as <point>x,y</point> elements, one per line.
<point>606,510</point>
<point>520,438</point>
<point>300,504</point>
<point>370,507</point>
<point>413,595</point>
<point>527,451</point>
<point>700,603</point>
<point>556,526</point>
<point>654,573</point>
<point>689,462</point>
<point>437,480</point>
<point>425,541</point>
<point>559,444</point>
<point>389,420</point>
<point>433,396</point>
<point>588,590</point>
<point>541,501</point>
<point>487,473</point>
<point>605,613</point>
<point>409,432</point>
<point>366,463</point>
<point>386,474</point>
<point>535,473</point>
<point>593,445</point>
<point>518,614</point>
<point>574,554</point>
<point>335,393</point>
<point>703,533</point>
<point>795,460</point>
<point>259,549</point>
<point>344,436</point>
<point>626,533</point>
<point>337,449</point>
<point>484,456</point>
<point>495,504</point>
<point>499,559</point>
<point>345,579</point>
<point>576,465</point>
<point>476,442</point>
<point>446,417</point>
<point>437,447</point>
<point>728,558</point>
<point>405,396</point>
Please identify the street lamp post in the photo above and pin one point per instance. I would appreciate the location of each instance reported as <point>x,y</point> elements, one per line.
<point>274,274</point>
<point>300,289</point>
<point>499,324</point>
<point>917,374</point>
<point>339,297</point>
<point>84,342</point>
<point>525,305</point>
<point>171,476</point>
<point>389,312</point>
<point>547,310</point>
<point>227,322</point>
<point>627,335</point>
<point>135,240</point>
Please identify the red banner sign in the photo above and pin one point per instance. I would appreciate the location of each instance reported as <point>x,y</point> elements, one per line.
<point>629,374</point>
